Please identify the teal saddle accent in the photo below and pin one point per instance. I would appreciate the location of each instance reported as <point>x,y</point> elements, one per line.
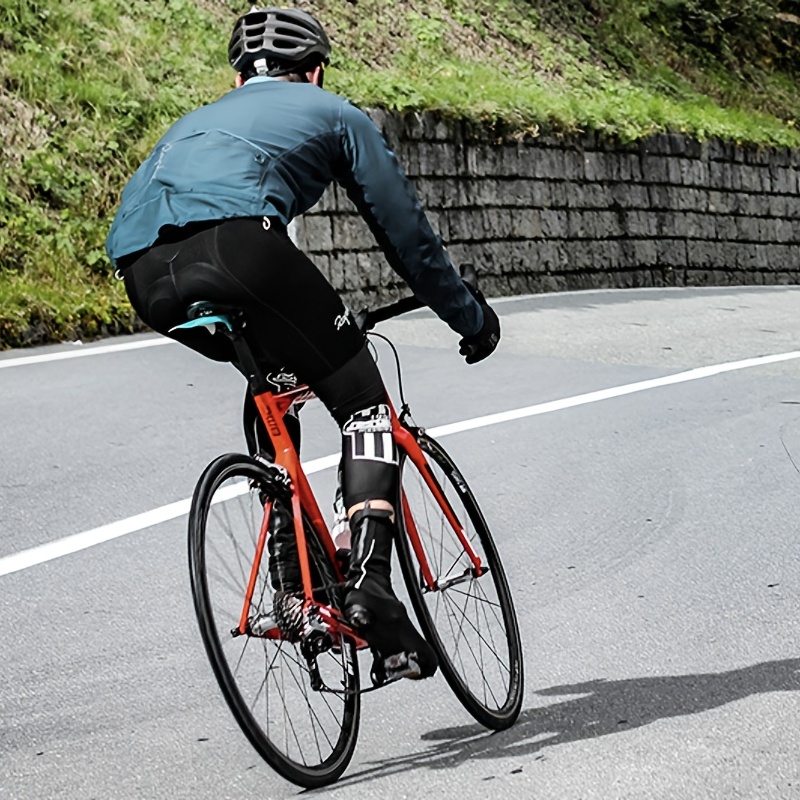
<point>207,322</point>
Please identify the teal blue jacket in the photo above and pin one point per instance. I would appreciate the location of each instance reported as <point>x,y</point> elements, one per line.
<point>270,148</point>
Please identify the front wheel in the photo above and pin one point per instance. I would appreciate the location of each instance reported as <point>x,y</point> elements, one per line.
<point>469,619</point>
<point>270,683</point>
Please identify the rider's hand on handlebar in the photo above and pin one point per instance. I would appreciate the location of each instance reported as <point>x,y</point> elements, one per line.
<point>483,343</point>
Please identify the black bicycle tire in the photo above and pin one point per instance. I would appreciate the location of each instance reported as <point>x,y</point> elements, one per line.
<point>327,772</point>
<point>506,715</point>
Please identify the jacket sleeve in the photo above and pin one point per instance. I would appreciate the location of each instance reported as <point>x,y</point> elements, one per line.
<point>375,182</point>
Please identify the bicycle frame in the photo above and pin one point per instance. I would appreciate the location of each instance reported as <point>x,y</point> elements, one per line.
<point>272,409</point>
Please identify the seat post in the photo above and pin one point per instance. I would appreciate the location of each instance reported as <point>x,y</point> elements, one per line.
<point>256,381</point>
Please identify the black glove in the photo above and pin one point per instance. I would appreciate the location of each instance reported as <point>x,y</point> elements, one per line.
<point>481,344</point>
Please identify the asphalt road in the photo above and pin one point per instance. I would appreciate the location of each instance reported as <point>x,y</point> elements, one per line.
<point>650,540</point>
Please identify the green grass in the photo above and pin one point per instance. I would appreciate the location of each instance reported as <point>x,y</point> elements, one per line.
<point>86,88</point>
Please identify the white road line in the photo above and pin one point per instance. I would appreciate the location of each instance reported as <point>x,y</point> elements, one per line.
<point>114,530</point>
<point>61,355</point>
<point>605,394</point>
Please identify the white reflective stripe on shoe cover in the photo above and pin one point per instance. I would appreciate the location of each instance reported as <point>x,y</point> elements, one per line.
<point>364,566</point>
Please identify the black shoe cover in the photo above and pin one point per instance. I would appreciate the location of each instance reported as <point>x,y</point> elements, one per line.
<point>382,620</point>
<point>371,605</point>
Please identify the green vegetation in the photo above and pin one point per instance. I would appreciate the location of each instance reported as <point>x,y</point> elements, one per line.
<point>87,87</point>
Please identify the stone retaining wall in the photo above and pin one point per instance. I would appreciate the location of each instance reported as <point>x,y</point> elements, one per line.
<point>545,213</point>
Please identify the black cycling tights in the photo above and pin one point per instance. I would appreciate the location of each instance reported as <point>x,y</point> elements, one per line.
<point>295,322</point>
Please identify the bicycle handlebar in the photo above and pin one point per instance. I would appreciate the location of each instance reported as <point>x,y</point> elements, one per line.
<point>367,320</point>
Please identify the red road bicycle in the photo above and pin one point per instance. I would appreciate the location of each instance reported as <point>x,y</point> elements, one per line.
<point>296,692</point>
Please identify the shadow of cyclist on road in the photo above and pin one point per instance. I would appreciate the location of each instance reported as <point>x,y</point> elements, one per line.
<point>602,708</point>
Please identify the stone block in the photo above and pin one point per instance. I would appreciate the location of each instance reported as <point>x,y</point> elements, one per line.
<point>588,195</point>
<point>439,223</point>
<point>465,225</point>
<point>608,224</point>
<point>783,180</point>
<point>629,196</point>
<point>547,165</point>
<point>594,167</point>
<point>749,178</point>
<point>525,223</point>
<point>497,223</point>
<point>439,193</point>
<point>483,192</point>
<point>413,126</point>
<point>785,231</point>
<point>580,224</point>
<point>437,158</point>
<point>342,203</point>
<point>551,255</point>
<point>514,161</point>
<point>572,166</point>
<point>765,229</point>
<point>408,156</point>
<point>693,172</point>
<point>558,193</point>
<point>483,160</point>
<point>722,202</point>
<point>694,199</point>
<point>554,223</point>
<point>581,255</point>
<point>368,271</point>
<point>753,205</point>
<point>655,169</point>
<point>660,196</point>
<point>698,226</point>
<point>716,150</point>
<point>675,171</point>
<point>343,271</point>
<point>638,224</point>
<point>792,208</point>
<point>759,156</point>
<point>350,232</point>
<point>657,143</point>
<point>520,284</point>
<point>726,228</point>
<point>645,252</point>
<point>718,176</point>
<point>630,168</point>
<point>314,233</point>
<point>673,252</point>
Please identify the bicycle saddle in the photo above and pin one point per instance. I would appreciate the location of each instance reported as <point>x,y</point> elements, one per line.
<point>206,314</point>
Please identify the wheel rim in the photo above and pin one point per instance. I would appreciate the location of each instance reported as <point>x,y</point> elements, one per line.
<point>467,617</point>
<point>267,682</point>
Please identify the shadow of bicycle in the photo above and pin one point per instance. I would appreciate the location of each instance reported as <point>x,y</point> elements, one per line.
<point>595,708</point>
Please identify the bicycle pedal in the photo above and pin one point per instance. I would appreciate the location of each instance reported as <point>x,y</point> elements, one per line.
<point>393,668</point>
<point>402,665</point>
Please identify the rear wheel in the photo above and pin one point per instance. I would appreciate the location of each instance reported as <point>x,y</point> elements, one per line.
<point>469,619</point>
<point>306,735</point>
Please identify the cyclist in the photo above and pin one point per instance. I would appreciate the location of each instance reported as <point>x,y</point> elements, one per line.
<point>205,218</point>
